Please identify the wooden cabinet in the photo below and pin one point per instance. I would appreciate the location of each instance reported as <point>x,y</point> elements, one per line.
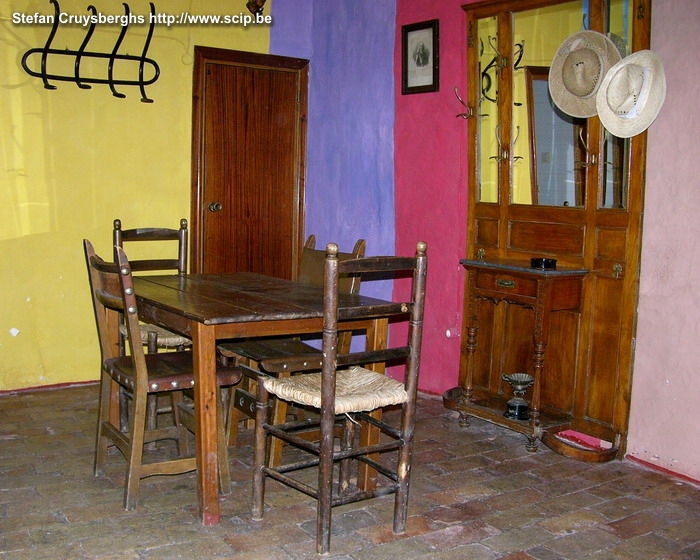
<point>586,213</point>
<point>539,296</point>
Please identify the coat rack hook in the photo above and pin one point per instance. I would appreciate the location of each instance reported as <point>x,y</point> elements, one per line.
<point>469,111</point>
<point>82,53</point>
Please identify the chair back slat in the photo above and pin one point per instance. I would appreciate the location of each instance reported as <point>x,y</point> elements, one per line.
<point>181,236</point>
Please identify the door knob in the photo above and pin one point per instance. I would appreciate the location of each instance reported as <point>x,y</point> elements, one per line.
<point>215,207</point>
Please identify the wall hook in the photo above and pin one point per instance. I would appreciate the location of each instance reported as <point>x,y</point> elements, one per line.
<point>469,112</point>
<point>590,158</point>
<point>82,53</point>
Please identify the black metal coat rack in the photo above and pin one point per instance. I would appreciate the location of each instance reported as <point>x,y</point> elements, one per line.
<point>81,54</point>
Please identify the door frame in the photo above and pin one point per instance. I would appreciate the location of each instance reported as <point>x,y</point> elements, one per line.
<point>208,55</point>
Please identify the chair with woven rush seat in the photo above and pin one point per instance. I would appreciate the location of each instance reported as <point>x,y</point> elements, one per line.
<point>346,392</point>
<point>253,351</point>
<point>155,337</point>
<point>141,375</point>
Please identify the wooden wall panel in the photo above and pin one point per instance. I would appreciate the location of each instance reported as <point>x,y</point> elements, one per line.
<point>565,239</point>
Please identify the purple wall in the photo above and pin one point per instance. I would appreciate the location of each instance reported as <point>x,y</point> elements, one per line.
<point>350,173</point>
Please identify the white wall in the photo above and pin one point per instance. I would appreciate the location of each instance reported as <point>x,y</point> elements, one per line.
<point>665,419</point>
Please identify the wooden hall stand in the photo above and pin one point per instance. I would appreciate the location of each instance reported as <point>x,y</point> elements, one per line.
<point>545,292</point>
<point>541,186</point>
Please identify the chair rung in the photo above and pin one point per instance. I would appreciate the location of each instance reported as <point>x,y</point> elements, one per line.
<point>388,473</point>
<point>172,466</point>
<point>289,481</point>
<point>313,447</point>
<point>357,496</point>
<point>306,445</point>
<point>337,500</point>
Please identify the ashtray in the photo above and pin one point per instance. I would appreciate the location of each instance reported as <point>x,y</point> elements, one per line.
<point>544,264</point>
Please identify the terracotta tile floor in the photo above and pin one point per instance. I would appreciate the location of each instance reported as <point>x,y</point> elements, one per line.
<point>475,494</point>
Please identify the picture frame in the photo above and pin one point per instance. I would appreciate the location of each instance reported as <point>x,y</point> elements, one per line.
<point>420,56</point>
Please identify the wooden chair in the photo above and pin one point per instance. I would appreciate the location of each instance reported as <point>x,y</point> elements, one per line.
<point>141,375</point>
<point>155,337</point>
<point>253,351</point>
<point>345,392</point>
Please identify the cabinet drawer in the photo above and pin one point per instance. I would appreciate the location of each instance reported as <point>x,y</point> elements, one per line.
<point>502,283</point>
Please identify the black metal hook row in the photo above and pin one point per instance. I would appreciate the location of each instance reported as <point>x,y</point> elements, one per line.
<point>81,53</point>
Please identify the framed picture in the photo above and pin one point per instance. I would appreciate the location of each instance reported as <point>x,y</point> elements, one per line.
<point>420,69</point>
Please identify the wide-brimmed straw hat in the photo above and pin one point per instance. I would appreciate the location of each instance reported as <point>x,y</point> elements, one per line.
<point>577,71</point>
<point>632,93</point>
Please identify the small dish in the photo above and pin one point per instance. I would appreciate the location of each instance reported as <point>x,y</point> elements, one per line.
<point>544,264</point>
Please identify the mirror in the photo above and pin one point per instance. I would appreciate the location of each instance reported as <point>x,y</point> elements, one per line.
<point>546,155</point>
<point>487,116</point>
<point>548,160</point>
<point>616,150</point>
<point>557,149</point>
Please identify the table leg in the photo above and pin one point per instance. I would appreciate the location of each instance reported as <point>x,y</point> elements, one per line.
<point>377,334</point>
<point>205,403</point>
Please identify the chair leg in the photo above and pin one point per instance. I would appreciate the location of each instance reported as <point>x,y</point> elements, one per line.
<point>102,442</point>
<point>279,416</point>
<point>123,410</point>
<point>224,472</point>
<point>348,438</point>
<point>135,455</point>
<point>259,461</point>
<point>183,445</point>
<point>325,483</point>
<point>152,413</point>
<point>404,469</point>
<point>233,417</point>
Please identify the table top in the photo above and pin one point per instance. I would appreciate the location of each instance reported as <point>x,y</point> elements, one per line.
<point>241,297</point>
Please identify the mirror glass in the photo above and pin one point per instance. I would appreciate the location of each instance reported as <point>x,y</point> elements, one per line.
<point>487,115</point>
<point>548,158</point>
<point>557,154</point>
<point>616,150</point>
<point>547,152</point>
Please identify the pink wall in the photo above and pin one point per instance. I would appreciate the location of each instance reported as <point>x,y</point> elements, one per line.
<point>430,185</point>
<point>664,420</point>
<point>431,202</point>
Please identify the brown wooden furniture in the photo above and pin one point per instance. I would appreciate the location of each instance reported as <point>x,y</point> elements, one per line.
<point>142,375</point>
<point>211,307</point>
<point>483,393</point>
<point>153,336</point>
<point>345,393</point>
<point>252,351</point>
<point>585,212</point>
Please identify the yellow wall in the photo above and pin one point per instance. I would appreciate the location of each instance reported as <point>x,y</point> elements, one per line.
<point>72,160</point>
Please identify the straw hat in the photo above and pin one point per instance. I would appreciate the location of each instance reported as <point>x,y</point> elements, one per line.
<point>632,93</point>
<point>577,71</point>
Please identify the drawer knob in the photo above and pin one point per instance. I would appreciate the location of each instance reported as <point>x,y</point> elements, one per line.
<point>505,283</point>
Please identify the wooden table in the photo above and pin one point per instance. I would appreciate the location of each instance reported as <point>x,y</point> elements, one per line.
<point>211,307</point>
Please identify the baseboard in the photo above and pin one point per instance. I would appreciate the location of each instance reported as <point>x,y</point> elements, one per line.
<point>48,387</point>
<point>662,470</point>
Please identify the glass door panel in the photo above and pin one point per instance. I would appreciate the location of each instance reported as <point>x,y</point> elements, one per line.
<point>487,112</point>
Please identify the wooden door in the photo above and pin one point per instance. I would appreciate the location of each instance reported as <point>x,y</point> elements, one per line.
<point>248,150</point>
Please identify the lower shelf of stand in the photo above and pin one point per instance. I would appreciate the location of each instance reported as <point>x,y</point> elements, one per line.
<point>490,407</point>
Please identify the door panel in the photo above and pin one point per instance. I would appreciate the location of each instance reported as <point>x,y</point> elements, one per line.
<point>248,150</point>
